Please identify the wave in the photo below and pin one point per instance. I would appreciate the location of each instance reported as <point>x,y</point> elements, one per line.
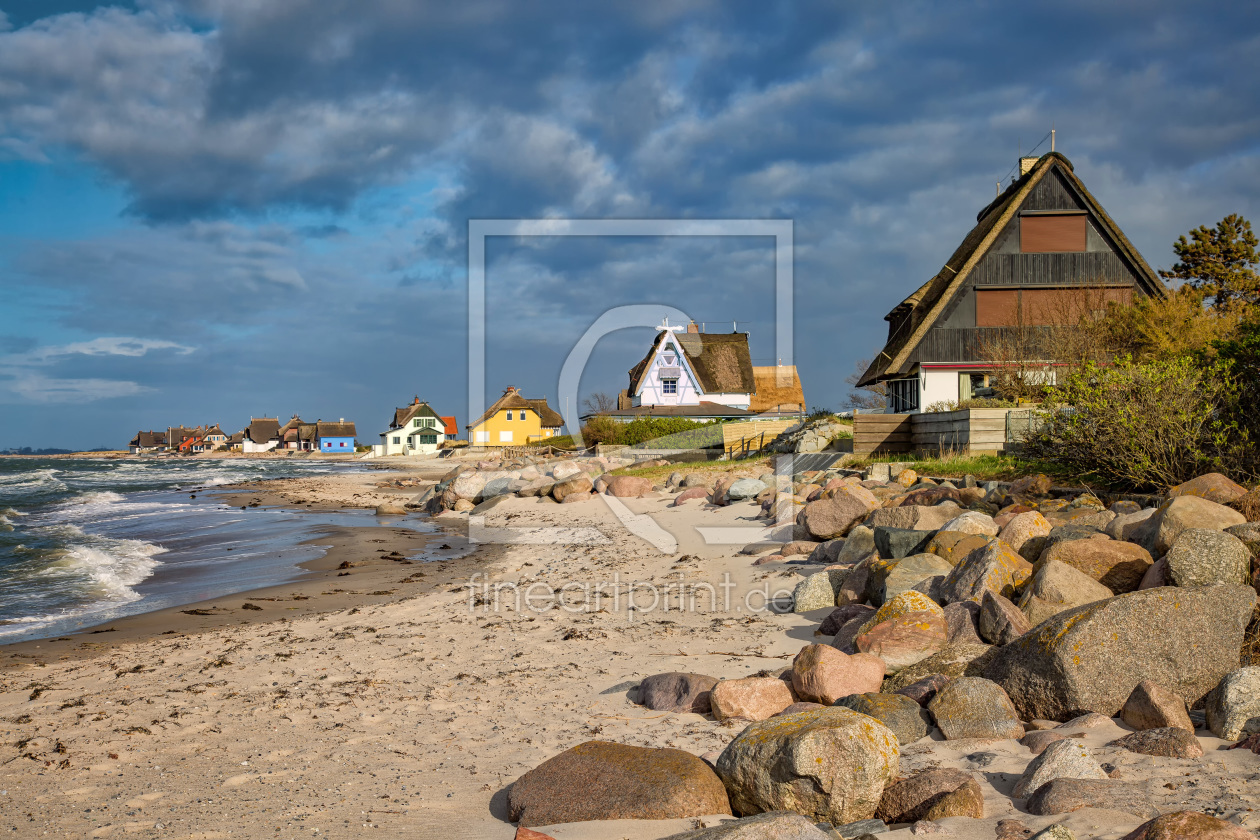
<point>97,497</point>
<point>106,572</point>
<point>5,524</point>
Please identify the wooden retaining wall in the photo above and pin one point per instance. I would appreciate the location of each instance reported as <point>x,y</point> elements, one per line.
<point>972,431</point>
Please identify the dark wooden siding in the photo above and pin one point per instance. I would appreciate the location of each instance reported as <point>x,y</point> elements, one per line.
<point>1051,194</point>
<point>953,345</point>
<point>1051,269</point>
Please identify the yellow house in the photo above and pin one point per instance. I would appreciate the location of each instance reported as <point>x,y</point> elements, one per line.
<point>515,421</point>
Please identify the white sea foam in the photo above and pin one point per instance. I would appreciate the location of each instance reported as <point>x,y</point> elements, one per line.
<point>96,497</point>
<point>5,524</point>
<point>109,570</point>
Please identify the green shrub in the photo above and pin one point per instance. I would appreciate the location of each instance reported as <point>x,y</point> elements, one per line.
<point>1146,425</point>
<point>977,402</point>
<point>654,432</point>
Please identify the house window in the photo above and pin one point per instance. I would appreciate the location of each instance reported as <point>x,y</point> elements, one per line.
<point>903,395</point>
<point>483,437</point>
<point>1042,307</point>
<point>397,440</point>
<point>1052,233</point>
<point>509,414</point>
<point>669,386</point>
<point>505,437</point>
<point>416,423</point>
<point>428,438</point>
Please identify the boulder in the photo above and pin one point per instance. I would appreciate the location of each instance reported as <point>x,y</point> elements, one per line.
<point>914,517</point>
<point>1188,825</point>
<point>905,603</point>
<point>599,780</point>
<point>856,546</point>
<point>823,674</point>
<point>853,590</point>
<point>904,640</point>
<point>841,616</point>
<point>1022,527</point>
<point>1182,514</point>
<point>995,567</point>
<point>773,825</point>
<point>1233,707</point>
<point>1213,486</point>
<point>694,480</point>
<point>1169,742</point>
<point>962,623</point>
<point>827,519</point>
<point>677,692</point>
<point>564,470</point>
<point>922,691</point>
<point>1126,525</point>
<point>803,706</point>
<point>1202,557</point>
<point>1058,831</point>
<point>391,509</point>
<point>468,485</point>
<point>1056,587</point>
<point>463,506</point>
<point>1031,486</point>
<point>931,496</point>
<point>830,765</point>
<point>1038,741</point>
<point>576,486</point>
<point>932,795</point>
<point>906,718</point>
<point>909,572</point>
<point>1001,622</point>
<point>744,488</point>
<point>627,486</point>
<point>818,591</point>
<point>1063,796</point>
<point>971,707</point>
<point>972,522</point>
<point>1065,759</point>
<point>1091,657</point>
<point>895,543</point>
<point>750,698</point>
<point>1249,533</point>
<point>1119,566</point>
<point>691,493</point>
<point>1152,707</point>
<point>953,660</point>
<point>952,546</point>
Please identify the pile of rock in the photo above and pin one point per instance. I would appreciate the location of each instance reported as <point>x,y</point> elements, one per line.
<point>811,436</point>
<point>982,612</point>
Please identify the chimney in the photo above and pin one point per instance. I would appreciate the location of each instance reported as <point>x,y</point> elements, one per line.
<point>1026,164</point>
<point>417,402</point>
<point>692,328</point>
<point>342,420</point>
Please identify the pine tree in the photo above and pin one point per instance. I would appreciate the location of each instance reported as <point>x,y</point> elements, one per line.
<point>1220,262</point>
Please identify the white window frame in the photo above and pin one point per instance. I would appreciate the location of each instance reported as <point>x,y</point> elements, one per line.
<point>669,386</point>
<point>505,436</point>
<point>482,437</point>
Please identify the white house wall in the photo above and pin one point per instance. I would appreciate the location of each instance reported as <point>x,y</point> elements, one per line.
<point>651,391</point>
<point>938,385</point>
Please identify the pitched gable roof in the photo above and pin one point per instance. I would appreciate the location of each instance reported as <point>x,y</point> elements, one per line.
<point>915,315</point>
<point>404,415</point>
<point>512,399</point>
<point>451,428</point>
<point>335,430</point>
<point>720,361</point>
<point>778,387</point>
<point>550,418</point>
<point>263,429</point>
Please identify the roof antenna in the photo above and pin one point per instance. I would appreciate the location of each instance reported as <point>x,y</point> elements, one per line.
<point>998,185</point>
<point>1052,137</point>
<point>734,326</point>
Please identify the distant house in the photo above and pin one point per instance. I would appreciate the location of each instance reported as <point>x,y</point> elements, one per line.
<point>299,435</point>
<point>145,442</point>
<point>335,437</point>
<point>261,435</point>
<point>414,429</point>
<point>178,436</point>
<point>705,376</point>
<point>214,438</point>
<point>236,441</point>
<point>1041,254</point>
<point>514,420</point>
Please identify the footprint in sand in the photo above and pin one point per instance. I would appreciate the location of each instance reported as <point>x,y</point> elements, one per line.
<point>239,779</point>
<point>145,798</point>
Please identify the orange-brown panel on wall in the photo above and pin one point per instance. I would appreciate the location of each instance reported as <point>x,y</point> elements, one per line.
<point>1051,234</point>
<point>1033,307</point>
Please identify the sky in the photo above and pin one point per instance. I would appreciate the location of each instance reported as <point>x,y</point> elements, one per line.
<point>218,209</point>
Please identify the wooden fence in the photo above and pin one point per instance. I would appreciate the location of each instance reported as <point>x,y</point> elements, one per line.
<point>746,438</point>
<point>882,434</point>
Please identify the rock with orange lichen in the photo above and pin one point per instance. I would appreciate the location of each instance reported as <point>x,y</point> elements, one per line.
<point>1092,657</point>
<point>822,674</point>
<point>995,567</point>
<point>830,765</point>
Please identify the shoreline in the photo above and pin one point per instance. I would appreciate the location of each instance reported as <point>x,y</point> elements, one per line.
<point>379,571</point>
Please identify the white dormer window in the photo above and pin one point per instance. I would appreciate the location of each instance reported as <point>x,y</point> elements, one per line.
<point>669,386</point>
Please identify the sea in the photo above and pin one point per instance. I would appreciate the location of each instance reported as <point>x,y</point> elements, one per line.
<point>84,541</point>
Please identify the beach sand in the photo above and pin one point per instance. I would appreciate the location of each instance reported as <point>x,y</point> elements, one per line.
<point>408,714</point>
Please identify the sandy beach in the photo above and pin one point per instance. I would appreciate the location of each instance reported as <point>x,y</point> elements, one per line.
<point>401,699</point>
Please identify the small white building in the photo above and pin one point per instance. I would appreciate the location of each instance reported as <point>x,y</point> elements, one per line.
<point>415,430</point>
<point>261,435</point>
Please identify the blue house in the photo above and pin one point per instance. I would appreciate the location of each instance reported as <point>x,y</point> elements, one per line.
<point>335,437</point>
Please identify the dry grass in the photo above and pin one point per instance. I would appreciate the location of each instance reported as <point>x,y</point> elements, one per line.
<point>1248,505</point>
<point>1250,653</point>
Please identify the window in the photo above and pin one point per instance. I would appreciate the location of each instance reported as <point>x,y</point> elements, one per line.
<point>1052,233</point>
<point>903,395</point>
<point>343,444</point>
<point>483,437</point>
<point>1039,307</point>
<point>397,440</point>
<point>415,423</point>
<point>428,438</point>
<point>509,414</point>
<point>505,437</point>
<point>669,386</point>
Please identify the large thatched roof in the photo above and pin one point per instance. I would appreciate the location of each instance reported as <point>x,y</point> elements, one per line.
<point>778,389</point>
<point>720,361</point>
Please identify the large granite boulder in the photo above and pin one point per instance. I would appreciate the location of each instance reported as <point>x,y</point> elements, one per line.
<point>822,674</point>
<point>627,486</point>
<point>677,692</point>
<point>577,486</point>
<point>857,546</point>
<point>1057,587</point>
<point>1119,566</point>
<point>915,517</point>
<point>895,543</point>
<point>1202,557</point>
<point>972,522</point>
<point>1022,527</point>
<point>909,572</point>
<point>904,640</point>
<point>971,707</point>
<point>828,518</point>
<point>1090,658</point>
<point>932,795</point>
<point>1233,706</point>
<point>906,718</point>
<point>818,591</point>
<point>1182,514</point>
<point>953,660</point>
<point>1063,796</point>
<point>995,567</point>
<point>599,780</point>
<point>1168,742</point>
<point>952,546</point>
<point>750,698</point>
<point>1001,622</point>
<point>1212,486</point>
<point>1127,525</point>
<point>830,765</point>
